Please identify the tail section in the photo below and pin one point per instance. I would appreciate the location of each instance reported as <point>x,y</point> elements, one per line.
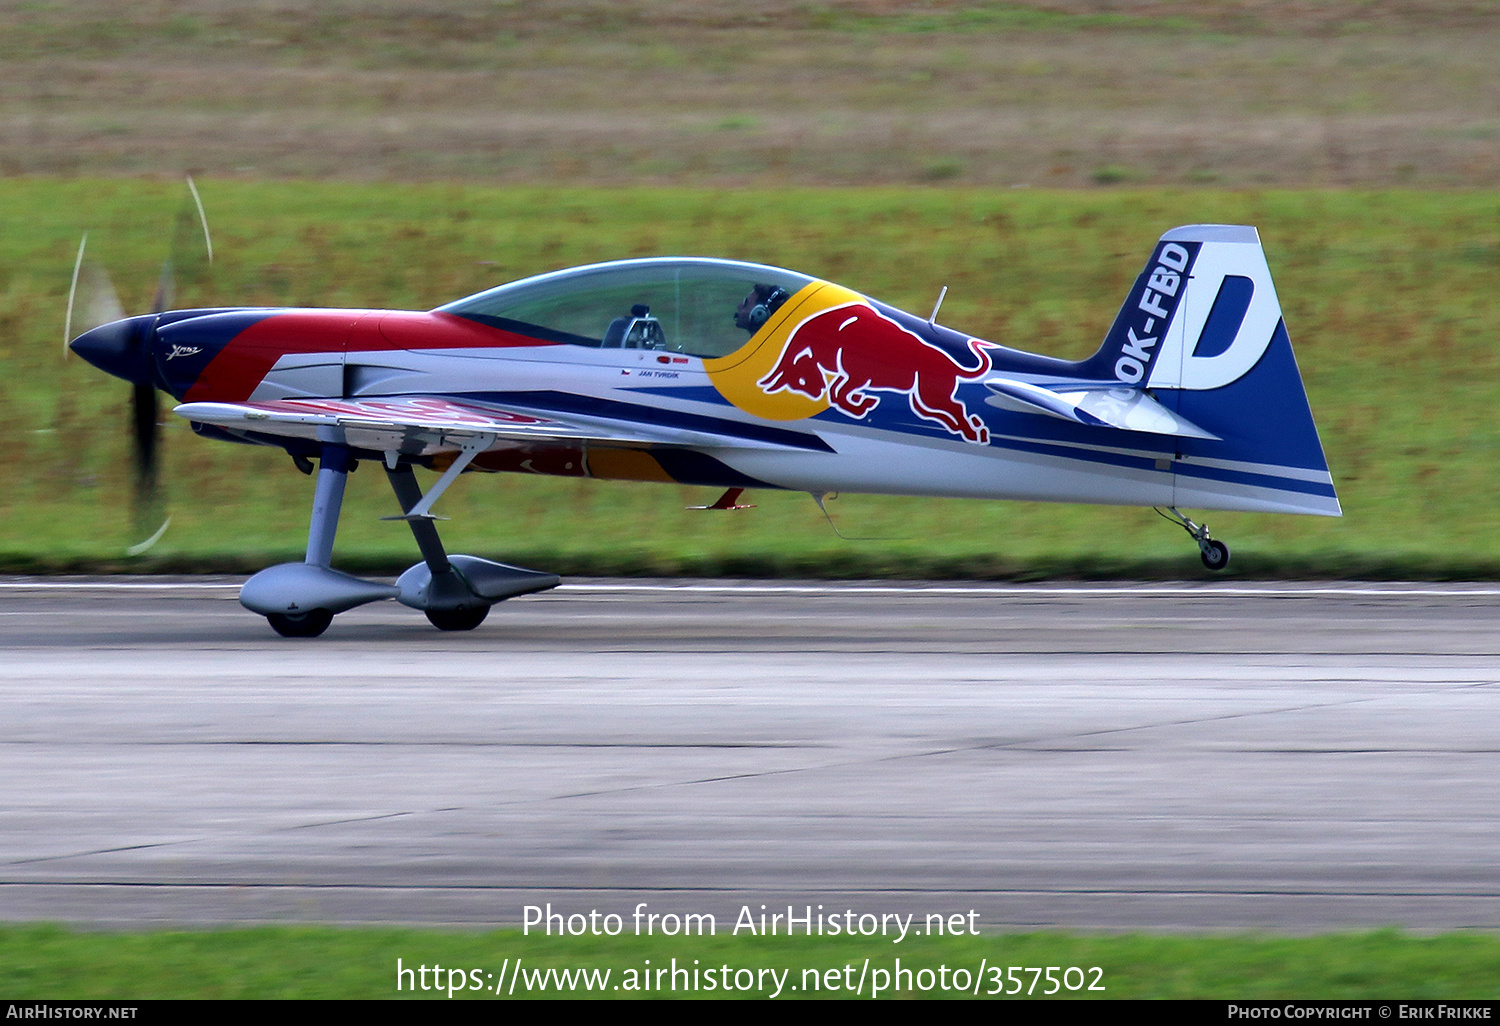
<point>1202,330</point>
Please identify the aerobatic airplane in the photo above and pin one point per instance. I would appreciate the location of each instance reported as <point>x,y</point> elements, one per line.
<point>738,376</point>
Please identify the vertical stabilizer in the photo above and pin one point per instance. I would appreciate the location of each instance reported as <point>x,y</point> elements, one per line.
<point>1201,331</point>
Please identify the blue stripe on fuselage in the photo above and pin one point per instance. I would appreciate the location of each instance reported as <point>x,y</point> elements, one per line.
<point>655,416</point>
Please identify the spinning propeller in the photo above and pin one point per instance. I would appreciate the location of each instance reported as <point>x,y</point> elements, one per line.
<point>122,346</point>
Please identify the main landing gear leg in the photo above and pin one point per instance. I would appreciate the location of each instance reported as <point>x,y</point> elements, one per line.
<point>1215,554</point>
<point>455,592</point>
<point>300,600</point>
<point>328,502</point>
<point>450,605</point>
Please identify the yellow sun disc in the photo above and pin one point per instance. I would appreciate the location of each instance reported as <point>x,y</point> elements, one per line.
<point>738,375</point>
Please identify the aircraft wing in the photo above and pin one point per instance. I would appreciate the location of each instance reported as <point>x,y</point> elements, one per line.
<point>423,425</point>
<point>1104,404</point>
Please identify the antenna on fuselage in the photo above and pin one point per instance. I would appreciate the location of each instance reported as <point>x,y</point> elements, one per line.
<point>937,306</point>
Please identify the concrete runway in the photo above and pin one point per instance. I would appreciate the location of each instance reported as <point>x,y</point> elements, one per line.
<point>1154,757</point>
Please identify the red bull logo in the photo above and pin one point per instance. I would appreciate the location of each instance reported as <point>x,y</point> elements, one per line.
<point>843,354</point>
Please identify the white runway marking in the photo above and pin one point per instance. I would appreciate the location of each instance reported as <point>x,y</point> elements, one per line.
<point>1210,589</point>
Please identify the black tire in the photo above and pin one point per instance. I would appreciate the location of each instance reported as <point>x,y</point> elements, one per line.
<point>300,625</point>
<point>464,619</point>
<point>1215,555</point>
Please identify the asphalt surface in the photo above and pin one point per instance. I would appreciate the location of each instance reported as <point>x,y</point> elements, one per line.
<point>1291,758</point>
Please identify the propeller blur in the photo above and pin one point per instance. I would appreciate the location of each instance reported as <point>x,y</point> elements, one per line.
<point>123,346</point>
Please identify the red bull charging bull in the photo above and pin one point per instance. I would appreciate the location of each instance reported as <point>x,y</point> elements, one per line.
<point>848,351</point>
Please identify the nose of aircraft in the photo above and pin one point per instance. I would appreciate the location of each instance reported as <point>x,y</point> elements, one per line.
<point>119,348</point>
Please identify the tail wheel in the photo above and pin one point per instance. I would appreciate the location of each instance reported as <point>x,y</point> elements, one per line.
<point>300,625</point>
<point>1215,555</point>
<point>465,619</point>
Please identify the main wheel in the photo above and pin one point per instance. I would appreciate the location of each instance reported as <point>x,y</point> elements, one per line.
<point>465,619</point>
<point>1215,555</point>
<point>301,625</point>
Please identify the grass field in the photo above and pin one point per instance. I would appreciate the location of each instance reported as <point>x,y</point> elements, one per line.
<point>622,127</point>
<point>326,962</point>
<point>1059,93</point>
<point>1390,297</point>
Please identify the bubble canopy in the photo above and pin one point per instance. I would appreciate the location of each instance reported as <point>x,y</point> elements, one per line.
<point>690,304</point>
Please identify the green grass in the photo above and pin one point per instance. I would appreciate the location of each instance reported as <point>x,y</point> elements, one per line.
<point>386,33</point>
<point>1064,93</point>
<point>1012,17</point>
<point>326,962</point>
<point>383,33</point>
<point>1391,298</point>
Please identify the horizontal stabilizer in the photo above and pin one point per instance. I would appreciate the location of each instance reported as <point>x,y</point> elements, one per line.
<point>1112,406</point>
